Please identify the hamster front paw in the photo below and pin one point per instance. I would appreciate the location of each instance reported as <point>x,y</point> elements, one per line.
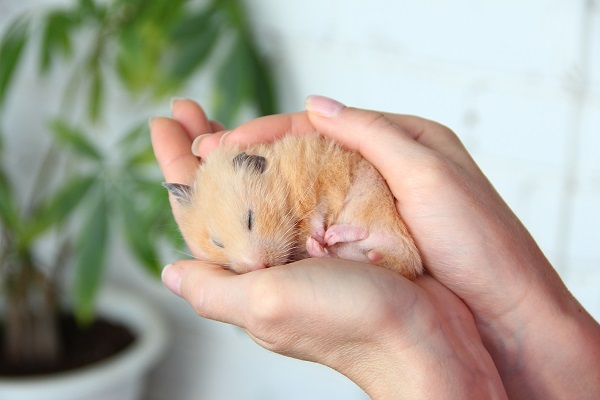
<point>315,248</point>
<point>343,233</point>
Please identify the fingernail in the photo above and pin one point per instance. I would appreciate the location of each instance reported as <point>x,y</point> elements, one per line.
<point>325,106</point>
<point>223,137</point>
<point>175,100</point>
<point>171,277</point>
<point>196,144</point>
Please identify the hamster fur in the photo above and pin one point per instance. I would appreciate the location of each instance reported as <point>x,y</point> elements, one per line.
<point>301,196</point>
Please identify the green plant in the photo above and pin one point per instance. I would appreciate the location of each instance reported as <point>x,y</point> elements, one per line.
<point>151,49</point>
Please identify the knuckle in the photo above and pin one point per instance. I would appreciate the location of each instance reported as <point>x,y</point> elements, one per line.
<point>197,300</point>
<point>436,171</point>
<point>435,167</point>
<point>377,120</point>
<point>268,303</point>
<point>198,304</point>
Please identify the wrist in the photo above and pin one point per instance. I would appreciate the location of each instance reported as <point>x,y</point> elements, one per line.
<point>438,358</point>
<point>547,347</point>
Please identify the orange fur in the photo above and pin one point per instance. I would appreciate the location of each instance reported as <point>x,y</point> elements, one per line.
<point>312,195</point>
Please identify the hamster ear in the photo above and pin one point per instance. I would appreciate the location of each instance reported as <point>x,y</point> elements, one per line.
<point>251,162</point>
<point>183,193</point>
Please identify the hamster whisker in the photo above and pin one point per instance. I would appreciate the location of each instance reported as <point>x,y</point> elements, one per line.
<point>227,266</point>
<point>287,245</point>
<point>184,253</point>
<point>189,255</point>
<point>291,226</point>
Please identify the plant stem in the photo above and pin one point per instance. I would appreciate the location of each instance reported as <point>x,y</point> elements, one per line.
<point>31,334</point>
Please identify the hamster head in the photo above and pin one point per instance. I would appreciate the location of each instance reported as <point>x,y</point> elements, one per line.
<point>238,212</point>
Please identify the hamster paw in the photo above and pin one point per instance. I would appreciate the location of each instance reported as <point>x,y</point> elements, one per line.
<point>344,233</point>
<point>315,249</point>
<point>375,256</point>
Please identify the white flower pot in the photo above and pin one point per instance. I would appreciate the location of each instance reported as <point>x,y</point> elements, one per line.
<point>119,377</point>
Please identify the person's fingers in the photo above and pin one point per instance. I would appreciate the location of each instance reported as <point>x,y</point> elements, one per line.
<point>203,145</point>
<point>435,136</point>
<point>392,150</point>
<point>171,145</point>
<point>216,126</point>
<point>259,130</point>
<point>428,133</point>
<point>193,120</point>
<point>191,117</point>
<point>386,139</point>
<point>213,292</point>
<point>251,301</point>
<point>266,129</point>
<point>172,140</point>
<point>287,296</point>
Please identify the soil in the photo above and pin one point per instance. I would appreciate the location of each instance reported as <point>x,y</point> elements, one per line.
<point>82,346</point>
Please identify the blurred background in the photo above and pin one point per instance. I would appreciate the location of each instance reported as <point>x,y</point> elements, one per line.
<point>518,81</point>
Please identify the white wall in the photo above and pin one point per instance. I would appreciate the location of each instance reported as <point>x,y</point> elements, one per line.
<point>519,81</point>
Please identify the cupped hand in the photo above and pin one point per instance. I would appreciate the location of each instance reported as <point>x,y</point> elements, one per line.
<point>393,337</point>
<point>387,334</point>
<point>469,239</point>
<point>467,236</point>
<point>172,140</point>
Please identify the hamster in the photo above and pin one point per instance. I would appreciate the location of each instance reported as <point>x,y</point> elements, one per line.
<point>301,196</point>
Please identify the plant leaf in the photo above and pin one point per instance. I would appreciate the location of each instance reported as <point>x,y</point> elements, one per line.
<point>233,83</point>
<point>76,139</point>
<point>137,133</point>
<point>193,51</point>
<point>87,8</point>
<point>263,84</point>
<point>9,215</point>
<point>192,24</point>
<point>90,253</point>
<point>157,209</point>
<point>137,57</point>
<point>159,212</point>
<point>136,145</point>
<point>262,92</point>
<point>143,156</point>
<point>96,94</point>
<point>11,49</point>
<point>58,207</point>
<point>188,44</point>
<point>137,233</point>
<point>56,38</point>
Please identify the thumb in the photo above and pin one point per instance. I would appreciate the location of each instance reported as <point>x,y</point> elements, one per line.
<point>212,291</point>
<point>391,149</point>
<point>371,133</point>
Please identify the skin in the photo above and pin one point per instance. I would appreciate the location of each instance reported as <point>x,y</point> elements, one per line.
<point>490,290</point>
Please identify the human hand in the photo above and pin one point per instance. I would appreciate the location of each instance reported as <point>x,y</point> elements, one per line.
<point>438,188</point>
<point>392,337</point>
<point>469,240</point>
<point>472,243</point>
<point>172,140</point>
<point>387,334</point>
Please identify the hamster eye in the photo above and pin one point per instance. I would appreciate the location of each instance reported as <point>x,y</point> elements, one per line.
<point>250,219</point>
<point>217,243</point>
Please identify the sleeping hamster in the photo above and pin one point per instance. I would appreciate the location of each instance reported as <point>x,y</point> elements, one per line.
<point>301,196</point>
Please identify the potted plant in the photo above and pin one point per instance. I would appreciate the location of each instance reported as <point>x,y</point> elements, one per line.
<point>85,190</point>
